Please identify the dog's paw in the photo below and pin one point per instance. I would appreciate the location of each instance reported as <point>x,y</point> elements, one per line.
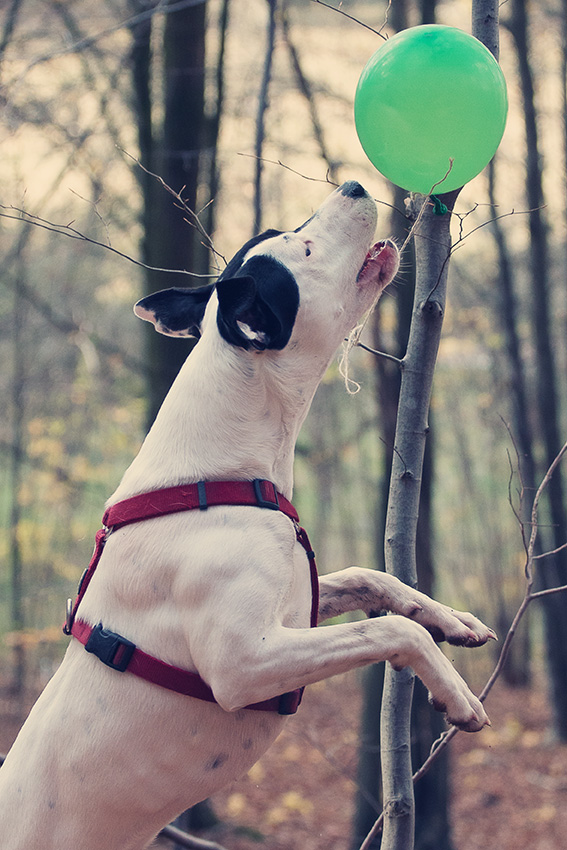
<point>466,713</point>
<point>442,622</point>
<point>412,646</point>
<point>459,628</point>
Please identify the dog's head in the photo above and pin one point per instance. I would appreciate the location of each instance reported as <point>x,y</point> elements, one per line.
<point>311,283</point>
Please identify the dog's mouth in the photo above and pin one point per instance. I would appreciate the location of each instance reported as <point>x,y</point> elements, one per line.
<point>380,264</point>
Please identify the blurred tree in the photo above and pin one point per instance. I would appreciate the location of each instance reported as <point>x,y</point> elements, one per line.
<point>552,571</point>
<point>516,671</point>
<point>177,141</point>
<point>18,414</point>
<point>261,113</point>
<point>19,361</point>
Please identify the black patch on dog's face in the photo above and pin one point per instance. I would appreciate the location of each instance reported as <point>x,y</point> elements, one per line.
<point>258,306</point>
<point>258,302</point>
<point>236,262</point>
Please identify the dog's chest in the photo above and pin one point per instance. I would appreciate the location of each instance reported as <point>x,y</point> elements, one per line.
<point>166,583</point>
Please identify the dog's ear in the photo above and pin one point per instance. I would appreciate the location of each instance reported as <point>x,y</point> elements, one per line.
<point>177,311</point>
<point>257,307</point>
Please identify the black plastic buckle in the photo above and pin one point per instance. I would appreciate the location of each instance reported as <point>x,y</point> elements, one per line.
<point>112,649</point>
<point>274,504</point>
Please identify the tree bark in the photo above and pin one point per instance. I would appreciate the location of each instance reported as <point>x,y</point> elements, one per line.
<point>387,389</point>
<point>433,246</point>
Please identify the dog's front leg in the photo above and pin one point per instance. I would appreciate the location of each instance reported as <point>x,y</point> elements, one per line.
<point>372,591</point>
<point>281,659</point>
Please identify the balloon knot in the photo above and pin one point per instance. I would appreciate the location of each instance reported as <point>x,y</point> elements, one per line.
<point>439,207</point>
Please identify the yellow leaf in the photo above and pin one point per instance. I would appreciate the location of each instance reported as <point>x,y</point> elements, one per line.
<point>235,805</point>
<point>256,773</point>
<point>295,802</point>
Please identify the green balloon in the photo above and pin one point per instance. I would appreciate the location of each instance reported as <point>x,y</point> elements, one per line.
<point>429,95</point>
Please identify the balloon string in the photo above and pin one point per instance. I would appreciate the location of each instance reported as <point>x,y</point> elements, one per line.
<point>353,338</point>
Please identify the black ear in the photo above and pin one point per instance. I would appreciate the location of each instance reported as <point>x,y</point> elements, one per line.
<point>177,311</point>
<point>257,307</point>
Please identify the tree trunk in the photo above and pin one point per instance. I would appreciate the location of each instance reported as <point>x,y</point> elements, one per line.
<point>516,671</point>
<point>387,388</point>
<point>261,114</point>
<point>174,152</point>
<point>432,245</point>
<point>16,470</point>
<point>552,571</point>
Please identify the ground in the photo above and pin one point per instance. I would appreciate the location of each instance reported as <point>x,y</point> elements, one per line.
<point>509,782</point>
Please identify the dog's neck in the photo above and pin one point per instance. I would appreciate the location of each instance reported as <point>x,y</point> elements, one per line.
<point>230,415</point>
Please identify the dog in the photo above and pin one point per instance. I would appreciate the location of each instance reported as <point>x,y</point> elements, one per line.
<point>227,591</point>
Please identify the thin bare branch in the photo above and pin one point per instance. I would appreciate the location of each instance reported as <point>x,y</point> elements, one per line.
<point>94,205</point>
<point>72,233</point>
<point>289,168</point>
<point>183,839</point>
<point>383,354</point>
<point>88,41</point>
<point>193,218</point>
<point>547,554</point>
<point>353,19</point>
<point>539,593</point>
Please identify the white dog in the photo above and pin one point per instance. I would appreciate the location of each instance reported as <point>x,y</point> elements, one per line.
<point>219,598</point>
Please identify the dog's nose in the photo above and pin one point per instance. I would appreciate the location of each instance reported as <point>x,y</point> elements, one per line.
<point>352,189</point>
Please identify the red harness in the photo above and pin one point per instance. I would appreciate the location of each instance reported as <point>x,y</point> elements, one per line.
<point>121,654</point>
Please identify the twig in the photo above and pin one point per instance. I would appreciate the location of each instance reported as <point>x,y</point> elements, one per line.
<point>94,205</point>
<point>547,554</point>
<point>539,593</point>
<point>193,217</point>
<point>355,20</point>
<point>383,354</point>
<point>289,168</point>
<point>72,233</point>
<point>354,340</point>
<point>185,840</point>
<point>462,216</point>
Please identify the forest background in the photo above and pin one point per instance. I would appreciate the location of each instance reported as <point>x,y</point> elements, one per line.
<point>90,97</point>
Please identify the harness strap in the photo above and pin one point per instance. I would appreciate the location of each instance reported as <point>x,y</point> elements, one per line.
<point>203,495</point>
<point>121,654</point>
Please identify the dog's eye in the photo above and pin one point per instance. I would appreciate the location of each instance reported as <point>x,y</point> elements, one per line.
<point>307,250</point>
